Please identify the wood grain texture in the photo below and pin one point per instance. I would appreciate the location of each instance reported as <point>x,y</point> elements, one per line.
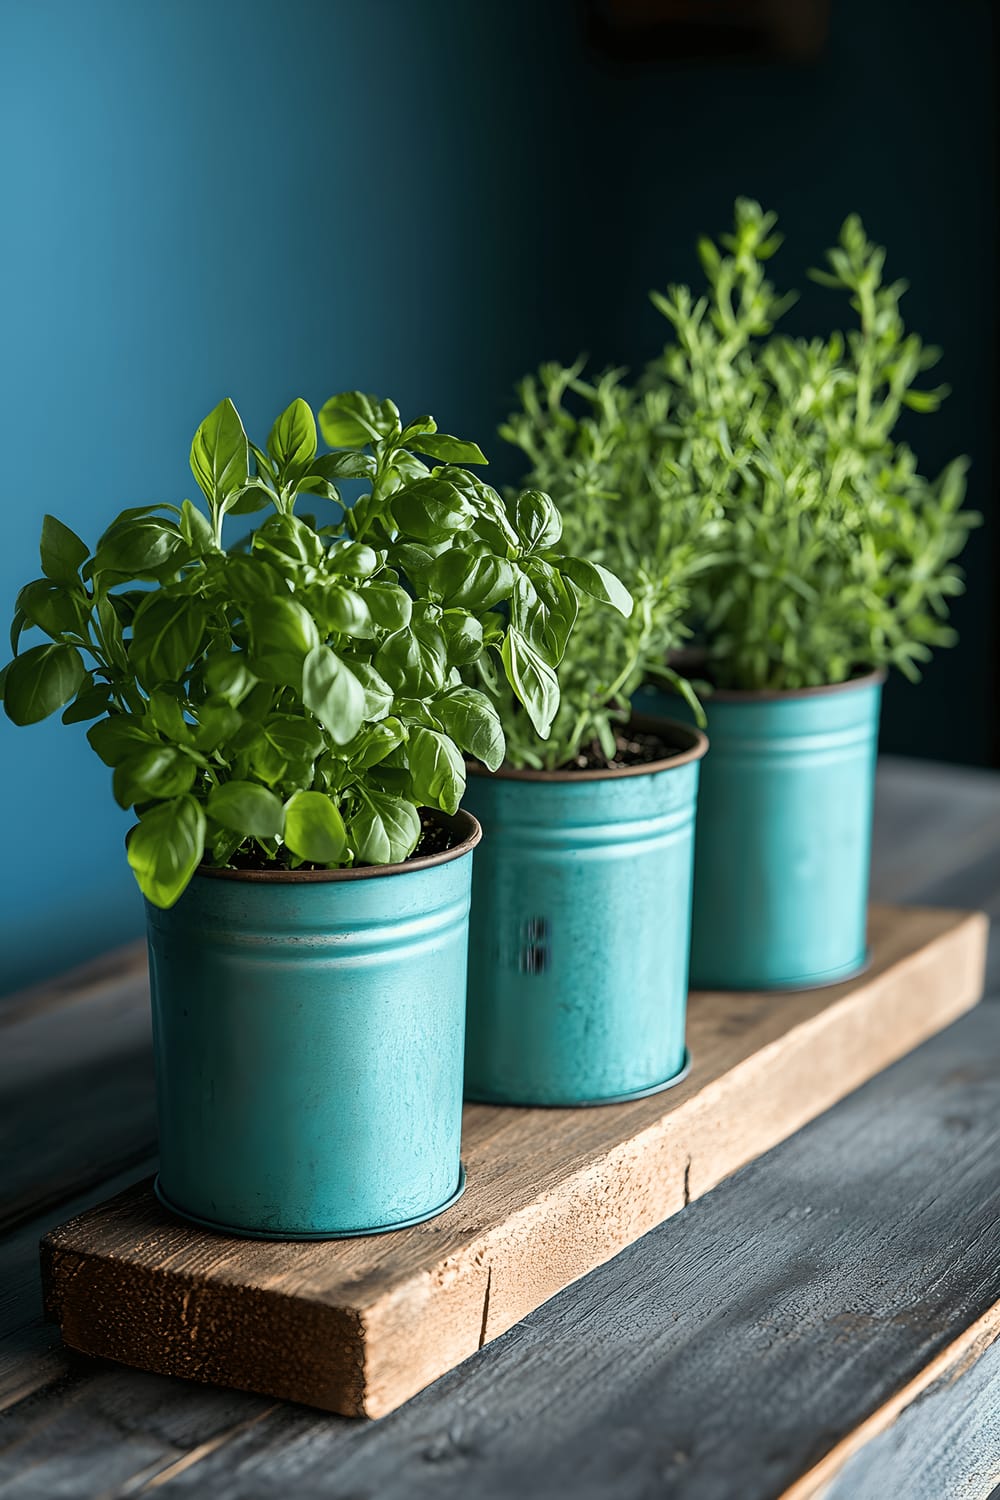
<point>718,1358</point>
<point>359,1326</point>
<point>859,1464</point>
<point>627,1341</point>
<point>76,1085</point>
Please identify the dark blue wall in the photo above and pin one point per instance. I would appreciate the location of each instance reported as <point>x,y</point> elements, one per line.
<point>422,198</point>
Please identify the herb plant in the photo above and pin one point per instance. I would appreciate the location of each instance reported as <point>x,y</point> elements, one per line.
<point>610,457</point>
<point>298,696</point>
<point>835,554</point>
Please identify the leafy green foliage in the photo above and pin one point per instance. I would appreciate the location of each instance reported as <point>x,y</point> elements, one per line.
<point>837,554</point>
<point>608,455</point>
<point>298,696</point>
<point>750,493</point>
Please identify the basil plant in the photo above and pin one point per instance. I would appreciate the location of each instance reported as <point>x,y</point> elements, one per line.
<point>299,695</point>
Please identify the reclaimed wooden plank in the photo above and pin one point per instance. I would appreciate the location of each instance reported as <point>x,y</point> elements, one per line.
<point>76,1085</point>
<point>32,1354</point>
<point>934,843</point>
<point>359,1326</point>
<point>724,1353</point>
<point>939,1438</point>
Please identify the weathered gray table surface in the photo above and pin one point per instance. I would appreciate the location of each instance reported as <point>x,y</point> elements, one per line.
<point>720,1356</point>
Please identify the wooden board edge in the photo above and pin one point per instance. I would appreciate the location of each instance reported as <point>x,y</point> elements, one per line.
<point>618,1197</point>
<point>949,1365</point>
<point>289,1348</point>
<point>471,1289</point>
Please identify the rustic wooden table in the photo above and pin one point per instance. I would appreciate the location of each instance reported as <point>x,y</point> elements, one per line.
<point>721,1356</point>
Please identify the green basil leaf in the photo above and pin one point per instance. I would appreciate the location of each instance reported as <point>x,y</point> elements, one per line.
<point>167,716</point>
<point>463,636</point>
<point>223,844</point>
<point>378,693</point>
<point>414,662</point>
<point>285,749</point>
<point>333,693</point>
<point>142,548</point>
<point>415,562</point>
<point>343,465</point>
<point>110,622</point>
<point>228,675</point>
<point>42,680</point>
<point>431,510</point>
<point>54,607</point>
<point>550,617</point>
<point>262,463</point>
<point>63,553</point>
<point>249,579</point>
<point>314,829</point>
<point>167,636</point>
<point>289,539</point>
<point>373,743</point>
<point>121,735</point>
<point>252,497</point>
<point>532,679</point>
<point>449,450</point>
<point>219,724</point>
<point>471,580</point>
<point>417,428</point>
<point>256,707</point>
<point>282,634</point>
<point>385,830</point>
<point>596,581</point>
<point>196,529</point>
<point>248,809</point>
<point>166,847</point>
<point>292,440</point>
<point>536,520</point>
<point>17,625</point>
<point>91,701</point>
<point>344,612</point>
<point>469,718</point>
<point>389,605</point>
<point>220,455</point>
<point>436,768</point>
<point>352,559</point>
<point>352,419</point>
<point>157,772</point>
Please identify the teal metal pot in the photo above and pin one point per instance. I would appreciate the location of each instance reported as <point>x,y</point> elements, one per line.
<point>581,910</point>
<point>308,1029</point>
<point>784,835</point>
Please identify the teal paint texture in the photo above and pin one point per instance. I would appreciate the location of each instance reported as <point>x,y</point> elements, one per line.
<point>203,197</point>
<point>783,845</point>
<point>579,935</point>
<point>308,1040</point>
<point>211,197</point>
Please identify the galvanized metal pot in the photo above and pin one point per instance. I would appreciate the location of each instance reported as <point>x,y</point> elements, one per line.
<point>581,909</point>
<point>308,1030</point>
<point>784,836</point>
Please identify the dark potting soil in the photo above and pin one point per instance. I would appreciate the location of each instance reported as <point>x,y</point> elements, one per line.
<point>637,748</point>
<point>435,838</point>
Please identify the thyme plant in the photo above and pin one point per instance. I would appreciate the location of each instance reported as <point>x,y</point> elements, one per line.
<point>298,696</point>
<point>608,455</point>
<point>837,553</point>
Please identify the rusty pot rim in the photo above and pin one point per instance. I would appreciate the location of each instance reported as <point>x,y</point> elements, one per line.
<point>693,746</point>
<point>464,820</point>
